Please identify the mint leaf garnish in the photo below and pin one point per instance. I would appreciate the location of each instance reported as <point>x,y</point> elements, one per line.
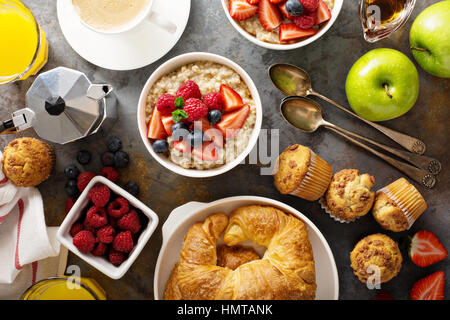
<point>179,115</point>
<point>179,103</point>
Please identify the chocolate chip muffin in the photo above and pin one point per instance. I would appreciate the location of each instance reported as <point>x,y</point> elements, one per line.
<point>27,161</point>
<point>349,195</point>
<point>302,173</point>
<point>398,205</point>
<point>374,255</point>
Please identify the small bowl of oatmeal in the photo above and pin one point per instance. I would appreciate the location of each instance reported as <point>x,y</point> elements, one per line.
<point>199,114</point>
<point>282,26</point>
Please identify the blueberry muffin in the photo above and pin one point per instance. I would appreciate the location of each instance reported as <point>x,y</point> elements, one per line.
<point>349,195</point>
<point>374,253</point>
<point>302,173</point>
<point>398,205</point>
<point>27,161</point>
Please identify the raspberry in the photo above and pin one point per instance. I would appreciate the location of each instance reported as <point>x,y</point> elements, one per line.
<point>195,109</point>
<point>96,217</point>
<point>123,242</point>
<point>305,21</point>
<point>84,179</point>
<point>106,234</point>
<point>84,241</point>
<point>76,227</point>
<point>99,195</point>
<point>166,104</point>
<point>310,5</point>
<point>113,222</point>
<point>118,207</point>
<point>110,173</point>
<point>116,257</point>
<point>69,204</point>
<point>213,101</point>
<point>130,222</point>
<point>189,90</point>
<point>100,249</point>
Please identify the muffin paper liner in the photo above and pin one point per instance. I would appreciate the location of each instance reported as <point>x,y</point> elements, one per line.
<point>323,204</point>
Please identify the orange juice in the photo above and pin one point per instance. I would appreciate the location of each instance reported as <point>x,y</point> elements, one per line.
<point>23,46</point>
<point>64,288</point>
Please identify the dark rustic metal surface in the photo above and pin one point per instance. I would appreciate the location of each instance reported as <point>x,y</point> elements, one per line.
<point>328,60</point>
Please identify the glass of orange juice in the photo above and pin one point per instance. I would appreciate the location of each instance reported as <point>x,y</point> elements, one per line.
<point>23,45</point>
<point>65,288</point>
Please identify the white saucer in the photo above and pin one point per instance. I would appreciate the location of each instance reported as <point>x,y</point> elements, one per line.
<point>130,50</point>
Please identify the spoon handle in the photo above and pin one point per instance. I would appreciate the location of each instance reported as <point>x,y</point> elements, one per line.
<point>409,143</point>
<point>418,175</point>
<point>433,166</point>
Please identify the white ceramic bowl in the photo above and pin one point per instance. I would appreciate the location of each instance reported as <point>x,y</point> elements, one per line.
<point>275,46</point>
<point>100,263</point>
<point>182,218</point>
<point>170,66</point>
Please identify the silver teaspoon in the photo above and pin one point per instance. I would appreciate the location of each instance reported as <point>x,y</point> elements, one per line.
<point>306,115</point>
<point>294,81</point>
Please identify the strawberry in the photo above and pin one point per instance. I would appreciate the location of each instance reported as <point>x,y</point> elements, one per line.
<point>429,288</point>
<point>241,9</point>
<point>210,131</point>
<point>231,99</point>
<point>206,152</point>
<point>290,32</point>
<point>277,1</point>
<point>384,295</point>
<point>182,146</point>
<point>323,13</point>
<point>282,7</point>
<point>167,122</point>
<point>253,1</point>
<point>426,249</point>
<point>232,122</point>
<point>155,126</point>
<point>269,15</point>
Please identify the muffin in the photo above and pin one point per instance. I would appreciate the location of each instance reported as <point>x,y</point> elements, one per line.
<point>398,205</point>
<point>27,161</point>
<point>349,195</point>
<point>302,173</point>
<point>376,250</point>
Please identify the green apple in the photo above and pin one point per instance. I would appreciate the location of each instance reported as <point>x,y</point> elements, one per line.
<point>430,39</point>
<point>382,85</point>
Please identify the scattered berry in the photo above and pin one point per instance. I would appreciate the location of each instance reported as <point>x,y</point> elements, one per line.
<point>116,257</point>
<point>96,217</point>
<point>384,295</point>
<point>310,5</point>
<point>84,179</point>
<point>71,172</point>
<point>130,222</point>
<point>166,104</point>
<point>180,130</point>
<point>189,90</point>
<point>114,144</point>
<point>123,242</point>
<point>106,234</point>
<point>110,173</point>
<point>71,188</point>
<point>133,188</point>
<point>69,204</point>
<point>99,195</point>
<point>100,249</point>
<point>118,207</point>
<point>160,146</point>
<point>195,109</point>
<point>305,21</point>
<point>76,227</point>
<point>294,8</point>
<point>121,159</point>
<point>84,241</point>
<point>214,101</point>
<point>108,159</point>
<point>84,157</point>
<point>214,116</point>
<point>426,249</point>
<point>429,288</point>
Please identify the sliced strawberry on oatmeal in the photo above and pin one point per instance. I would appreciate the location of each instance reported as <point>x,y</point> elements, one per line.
<point>167,122</point>
<point>155,126</point>
<point>241,9</point>
<point>290,32</point>
<point>253,1</point>
<point>232,122</point>
<point>269,15</point>
<point>182,146</point>
<point>323,13</point>
<point>210,131</point>
<point>277,1</point>
<point>284,11</point>
<point>206,152</point>
<point>231,99</point>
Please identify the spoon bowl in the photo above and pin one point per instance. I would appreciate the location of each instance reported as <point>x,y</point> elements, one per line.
<point>290,80</point>
<point>302,113</point>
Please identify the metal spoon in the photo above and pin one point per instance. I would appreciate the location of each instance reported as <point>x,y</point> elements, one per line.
<point>293,80</point>
<point>305,114</point>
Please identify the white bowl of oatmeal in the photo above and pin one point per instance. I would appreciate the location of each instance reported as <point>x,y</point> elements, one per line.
<point>252,30</point>
<point>209,71</point>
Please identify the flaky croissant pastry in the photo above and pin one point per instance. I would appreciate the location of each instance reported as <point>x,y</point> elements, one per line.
<point>286,271</point>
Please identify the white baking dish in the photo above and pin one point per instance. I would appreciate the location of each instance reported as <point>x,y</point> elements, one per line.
<point>182,218</point>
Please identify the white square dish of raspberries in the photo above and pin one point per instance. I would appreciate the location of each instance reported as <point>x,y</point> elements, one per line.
<point>107,227</point>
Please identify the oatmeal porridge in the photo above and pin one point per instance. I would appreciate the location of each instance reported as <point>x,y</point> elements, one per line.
<point>220,83</point>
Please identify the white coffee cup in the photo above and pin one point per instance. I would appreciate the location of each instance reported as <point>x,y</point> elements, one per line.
<point>146,15</point>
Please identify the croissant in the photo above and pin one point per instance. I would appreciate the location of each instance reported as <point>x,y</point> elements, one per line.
<point>286,271</point>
